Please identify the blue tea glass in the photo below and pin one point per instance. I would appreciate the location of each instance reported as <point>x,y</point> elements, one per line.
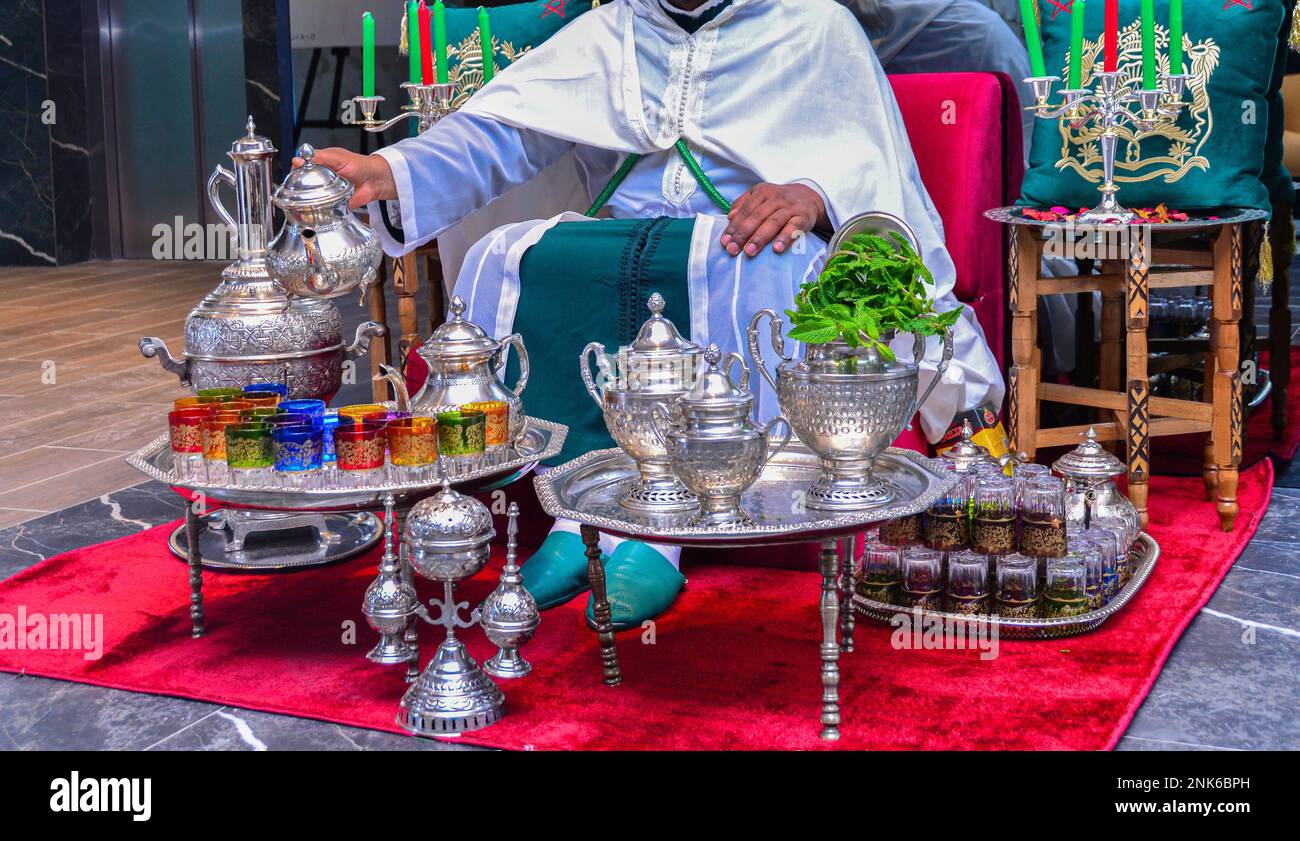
<point>330,423</point>
<point>279,388</point>
<point>297,448</point>
<point>314,409</point>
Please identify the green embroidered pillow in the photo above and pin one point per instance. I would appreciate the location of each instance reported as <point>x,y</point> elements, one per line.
<point>516,29</point>
<point>1213,156</point>
<point>1281,189</point>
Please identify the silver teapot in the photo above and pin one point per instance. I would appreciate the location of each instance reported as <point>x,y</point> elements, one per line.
<point>846,403</point>
<point>463,361</point>
<point>658,367</point>
<point>1090,492</point>
<point>715,448</point>
<point>322,250</point>
<point>249,329</point>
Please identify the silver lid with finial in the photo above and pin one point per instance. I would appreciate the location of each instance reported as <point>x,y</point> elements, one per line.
<point>965,455</point>
<point>660,359</point>
<point>447,535</point>
<point>312,185</point>
<point>1089,462</point>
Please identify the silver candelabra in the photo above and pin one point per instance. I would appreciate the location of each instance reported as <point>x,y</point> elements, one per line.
<point>1109,107</point>
<point>428,105</point>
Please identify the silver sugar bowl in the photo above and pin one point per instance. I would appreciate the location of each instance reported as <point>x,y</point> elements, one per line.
<point>847,403</point>
<point>323,250</point>
<point>658,367</point>
<point>249,329</point>
<point>446,539</point>
<point>1090,492</point>
<point>715,448</point>
<point>463,361</point>
<point>509,613</point>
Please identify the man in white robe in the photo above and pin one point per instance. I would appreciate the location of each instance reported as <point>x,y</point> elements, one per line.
<point>777,105</point>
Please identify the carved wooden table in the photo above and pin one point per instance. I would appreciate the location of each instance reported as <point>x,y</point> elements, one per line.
<point>1129,272</point>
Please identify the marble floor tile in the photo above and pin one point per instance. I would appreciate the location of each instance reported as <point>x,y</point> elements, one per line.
<point>231,728</point>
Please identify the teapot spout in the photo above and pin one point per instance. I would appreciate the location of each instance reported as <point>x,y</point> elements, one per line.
<point>320,278</point>
<point>395,379</point>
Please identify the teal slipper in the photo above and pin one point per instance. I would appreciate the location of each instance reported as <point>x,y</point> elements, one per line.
<point>557,571</point>
<point>639,583</point>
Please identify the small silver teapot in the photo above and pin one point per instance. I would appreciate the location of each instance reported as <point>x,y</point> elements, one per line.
<point>656,368</point>
<point>1090,492</point>
<point>716,449</point>
<point>323,250</point>
<point>463,360</point>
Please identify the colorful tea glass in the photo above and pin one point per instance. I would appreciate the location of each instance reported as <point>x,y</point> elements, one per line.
<point>231,405</point>
<point>330,423</point>
<point>315,409</point>
<point>358,411</point>
<point>263,398</point>
<point>412,446</point>
<point>1015,588</point>
<point>993,515</point>
<point>185,428</point>
<point>213,433</point>
<point>496,431</point>
<point>880,576</point>
<point>299,453</point>
<point>287,419</point>
<point>258,413</point>
<point>461,439</point>
<point>922,578</point>
<point>216,395</point>
<point>968,583</point>
<point>1118,529</point>
<point>249,454</point>
<point>279,388</point>
<point>1042,518</point>
<point>185,403</point>
<point>1065,591</point>
<point>359,449</point>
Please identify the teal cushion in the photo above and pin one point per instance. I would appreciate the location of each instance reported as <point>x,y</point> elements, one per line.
<point>516,29</point>
<point>1281,189</point>
<point>1213,157</point>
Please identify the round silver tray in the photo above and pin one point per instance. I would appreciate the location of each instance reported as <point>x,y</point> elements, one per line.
<point>351,534</point>
<point>588,488</point>
<point>1012,216</point>
<point>541,439</point>
<point>1148,552</point>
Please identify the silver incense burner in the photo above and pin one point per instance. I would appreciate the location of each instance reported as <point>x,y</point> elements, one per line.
<point>846,403</point>
<point>716,449</point>
<point>249,328</point>
<point>463,362</point>
<point>323,250</point>
<point>446,540</point>
<point>509,614</point>
<point>657,367</point>
<point>1090,492</point>
<point>390,603</point>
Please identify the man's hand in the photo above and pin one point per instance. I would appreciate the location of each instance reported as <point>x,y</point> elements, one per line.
<point>369,173</point>
<point>783,211</point>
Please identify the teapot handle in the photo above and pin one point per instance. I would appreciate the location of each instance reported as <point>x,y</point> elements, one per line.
<point>919,352</point>
<point>785,439</point>
<point>660,413</point>
<point>518,342</point>
<point>220,175</point>
<point>599,350</point>
<point>778,342</point>
<point>735,358</point>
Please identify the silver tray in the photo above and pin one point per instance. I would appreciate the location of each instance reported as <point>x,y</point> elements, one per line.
<point>587,490</point>
<point>1234,216</point>
<point>1148,552</point>
<point>541,439</point>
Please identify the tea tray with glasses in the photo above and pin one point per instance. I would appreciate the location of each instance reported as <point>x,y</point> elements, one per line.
<point>1143,556</point>
<point>588,489</point>
<point>541,439</point>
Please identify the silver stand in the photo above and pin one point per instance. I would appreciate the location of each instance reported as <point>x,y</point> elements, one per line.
<point>830,648</point>
<point>428,105</point>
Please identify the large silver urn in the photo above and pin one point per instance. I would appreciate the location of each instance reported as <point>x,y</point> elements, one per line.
<point>846,403</point>
<point>658,367</point>
<point>249,328</point>
<point>716,449</point>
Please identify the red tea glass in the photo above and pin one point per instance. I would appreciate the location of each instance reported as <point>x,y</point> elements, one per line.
<point>359,452</point>
<point>185,429</point>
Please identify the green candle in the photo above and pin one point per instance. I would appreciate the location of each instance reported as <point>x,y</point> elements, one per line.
<point>1176,37</point>
<point>1033,40</point>
<point>367,54</point>
<point>1149,45</point>
<point>1076,46</point>
<point>440,40</point>
<point>485,43</point>
<point>413,40</point>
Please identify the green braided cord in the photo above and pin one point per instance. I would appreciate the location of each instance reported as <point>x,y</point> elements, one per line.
<point>619,176</point>
<point>694,166</point>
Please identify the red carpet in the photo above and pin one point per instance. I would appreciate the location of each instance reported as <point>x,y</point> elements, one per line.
<point>1182,455</point>
<point>734,665</point>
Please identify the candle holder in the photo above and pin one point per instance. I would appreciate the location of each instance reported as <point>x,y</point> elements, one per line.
<point>428,104</point>
<point>1109,105</point>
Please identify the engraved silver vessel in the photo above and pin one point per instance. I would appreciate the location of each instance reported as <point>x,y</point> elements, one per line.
<point>1090,491</point>
<point>715,448</point>
<point>249,329</point>
<point>658,367</point>
<point>509,614</point>
<point>846,403</point>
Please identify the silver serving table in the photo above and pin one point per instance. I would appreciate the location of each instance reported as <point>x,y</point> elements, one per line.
<point>343,512</point>
<point>587,490</point>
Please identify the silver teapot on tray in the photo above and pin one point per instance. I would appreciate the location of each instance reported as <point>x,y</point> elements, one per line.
<point>322,250</point>
<point>658,367</point>
<point>846,403</point>
<point>1090,492</point>
<point>463,361</point>
<point>249,328</point>
<point>715,448</point>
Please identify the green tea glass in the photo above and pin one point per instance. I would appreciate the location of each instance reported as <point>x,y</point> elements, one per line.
<point>249,453</point>
<point>462,440</point>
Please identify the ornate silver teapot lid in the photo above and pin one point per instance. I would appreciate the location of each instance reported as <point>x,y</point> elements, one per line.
<point>966,454</point>
<point>458,336</point>
<point>448,521</point>
<point>312,185</point>
<point>658,337</point>
<point>1089,461</point>
<point>714,389</point>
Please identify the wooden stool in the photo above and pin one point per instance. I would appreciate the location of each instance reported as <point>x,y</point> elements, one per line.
<point>1123,357</point>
